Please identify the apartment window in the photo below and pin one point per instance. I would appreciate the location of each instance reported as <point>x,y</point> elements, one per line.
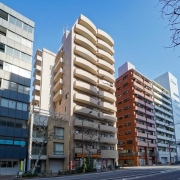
<point>130,141</point>
<point>128,132</point>
<point>120,126</point>
<point>58,148</point>
<point>118,81</point>
<point>125,77</point>
<point>58,133</point>
<point>65,108</point>
<point>120,110</point>
<point>119,88</point>
<point>2,47</point>
<point>125,84</point>
<point>127,99</point>
<point>2,31</point>
<point>78,145</point>
<point>119,95</point>
<point>3,15</point>
<point>60,102</point>
<point>126,92</point>
<point>120,102</point>
<point>127,107</point>
<point>67,95</point>
<point>127,116</point>
<point>121,142</point>
<point>128,124</point>
<point>121,134</point>
<point>102,147</point>
<point>120,118</point>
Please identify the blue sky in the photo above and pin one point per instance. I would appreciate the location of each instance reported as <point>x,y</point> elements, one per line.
<point>139,32</point>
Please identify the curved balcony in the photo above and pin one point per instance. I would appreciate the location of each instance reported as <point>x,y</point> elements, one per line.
<point>106,85</point>
<point>106,66</point>
<point>58,85</point>
<point>86,124</point>
<point>58,75</point>
<point>106,128</point>
<point>107,117</point>
<point>84,75</point>
<point>85,54</point>
<point>82,41</point>
<point>59,64</point>
<point>58,96</point>
<point>84,21</point>
<point>105,37</point>
<point>82,86</point>
<point>105,75</point>
<point>104,46</point>
<point>85,99</point>
<point>107,96</point>
<point>107,106</point>
<point>106,56</point>
<point>84,111</point>
<point>86,65</point>
<point>79,29</point>
<point>108,140</point>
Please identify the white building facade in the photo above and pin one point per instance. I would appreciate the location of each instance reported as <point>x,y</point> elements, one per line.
<point>164,124</point>
<point>169,82</point>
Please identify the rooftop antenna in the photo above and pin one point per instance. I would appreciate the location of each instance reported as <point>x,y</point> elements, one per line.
<point>65,28</point>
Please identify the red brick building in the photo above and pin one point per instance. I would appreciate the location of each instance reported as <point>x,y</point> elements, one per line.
<point>135,118</point>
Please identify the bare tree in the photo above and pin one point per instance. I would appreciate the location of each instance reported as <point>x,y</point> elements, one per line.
<point>171,10</point>
<point>45,129</point>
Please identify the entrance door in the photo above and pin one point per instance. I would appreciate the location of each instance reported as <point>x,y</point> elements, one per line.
<point>150,162</point>
<point>142,162</point>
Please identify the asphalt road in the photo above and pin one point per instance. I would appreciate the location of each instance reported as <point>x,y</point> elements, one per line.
<point>148,173</point>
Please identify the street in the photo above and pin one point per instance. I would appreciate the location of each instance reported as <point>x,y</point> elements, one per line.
<point>138,173</point>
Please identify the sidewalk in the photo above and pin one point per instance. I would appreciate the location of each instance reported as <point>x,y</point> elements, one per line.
<point>7,177</point>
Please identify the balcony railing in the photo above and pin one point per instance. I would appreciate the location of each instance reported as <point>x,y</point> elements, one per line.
<point>58,152</point>
<point>37,151</point>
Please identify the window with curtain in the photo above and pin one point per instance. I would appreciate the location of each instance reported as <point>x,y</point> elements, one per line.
<point>58,133</point>
<point>58,148</point>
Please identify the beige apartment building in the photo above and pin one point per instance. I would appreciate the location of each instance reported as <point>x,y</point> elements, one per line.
<point>81,86</point>
<point>55,154</point>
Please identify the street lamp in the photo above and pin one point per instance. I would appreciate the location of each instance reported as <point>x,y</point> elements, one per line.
<point>82,129</point>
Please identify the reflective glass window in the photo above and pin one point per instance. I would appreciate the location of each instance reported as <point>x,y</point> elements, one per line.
<point>4,102</point>
<point>24,107</point>
<point>25,27</point>
<point>12,104</point>
<point>9,50</point>
<point>18,23</point>
<point>12,20</point>
<point>16,53</point>
<point>19,105</point>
